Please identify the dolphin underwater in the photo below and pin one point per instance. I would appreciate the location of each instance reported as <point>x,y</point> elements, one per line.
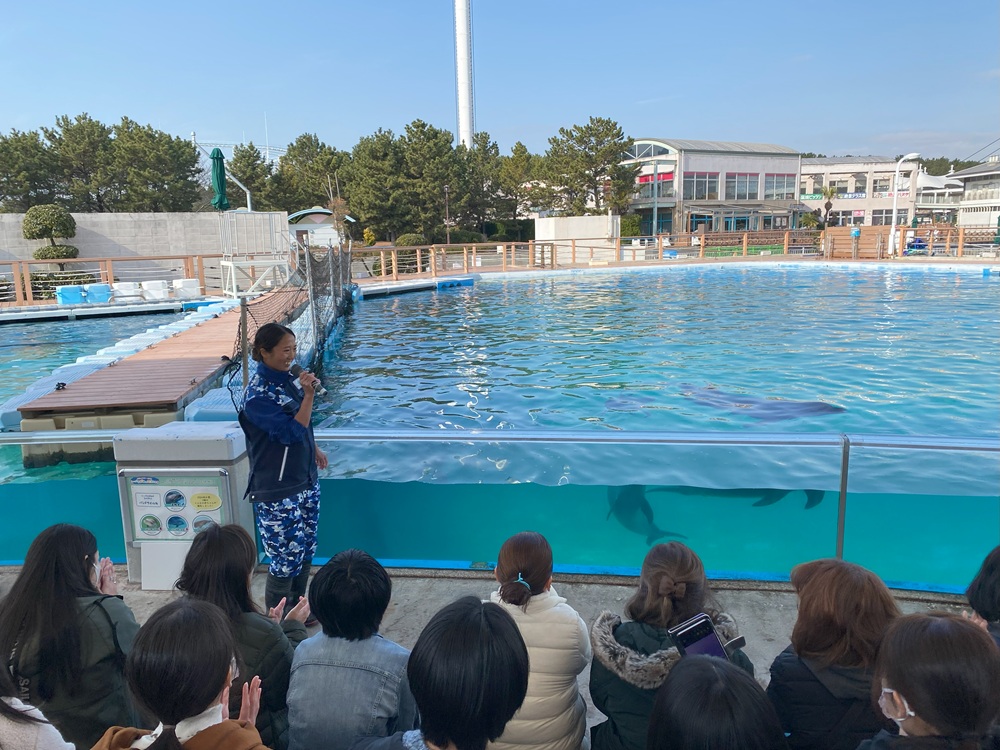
<point>766,496</point>
<point>631,509</point>
<point>763,409</point>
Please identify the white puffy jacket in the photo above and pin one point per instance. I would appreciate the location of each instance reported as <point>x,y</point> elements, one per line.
<point>553,715</point>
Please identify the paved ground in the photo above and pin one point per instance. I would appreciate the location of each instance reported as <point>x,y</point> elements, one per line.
<point>765,613</point>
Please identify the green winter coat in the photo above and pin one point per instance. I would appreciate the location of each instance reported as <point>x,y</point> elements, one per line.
<point>84,708</point>
<point>632,660</point>
<point>266,650</point>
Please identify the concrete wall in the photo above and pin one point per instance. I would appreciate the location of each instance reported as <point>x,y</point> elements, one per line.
<point>576,227</point>
<point>124,235</point>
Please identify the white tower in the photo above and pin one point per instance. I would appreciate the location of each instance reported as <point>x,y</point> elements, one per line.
<point>463,71</point>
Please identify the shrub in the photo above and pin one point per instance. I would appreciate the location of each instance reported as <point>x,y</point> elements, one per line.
<point>411,239</point>
<point>368,237</point>
<point>463,236</point>
<point>630,225</point>
<point>55,252</point>
<point>47,222</point>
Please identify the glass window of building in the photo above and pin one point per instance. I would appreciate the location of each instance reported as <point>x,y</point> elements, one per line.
<point>845,219</point>
<point>817,183</point>
<point>881,184</point>
<point>882,217</point>
<point>839,185</point>
<point>742,187</point>
<point>860,183</point>
<point>782,186</point>
<point>701,186</point>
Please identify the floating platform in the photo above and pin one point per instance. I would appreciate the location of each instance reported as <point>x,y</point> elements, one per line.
<point>73,312</point>
<point>378,289</point>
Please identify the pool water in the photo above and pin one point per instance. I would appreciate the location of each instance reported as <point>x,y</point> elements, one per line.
<point>694,349</point>
<point>29,351</point>
<point>875,350</point>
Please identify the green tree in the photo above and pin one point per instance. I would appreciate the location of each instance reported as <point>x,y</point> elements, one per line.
<point>515,174</point>
<point>829,193</point>
<point>83,149</point>
<point>431,162</point>
<point>481,170</point>
<point>811,155</point>
<point>942,165</point>
<point>374,179</point>
<point>305,174</point>
<point>152,170</point>
<point>249,167</point>
<point>46,222</point>
<point>28,172</point>
<point>583,167</point>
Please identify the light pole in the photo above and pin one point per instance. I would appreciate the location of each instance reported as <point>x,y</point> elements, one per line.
<point>895,199</point>
<point>447,220</point>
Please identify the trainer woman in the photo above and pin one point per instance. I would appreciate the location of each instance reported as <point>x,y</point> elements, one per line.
<point>284,482</point>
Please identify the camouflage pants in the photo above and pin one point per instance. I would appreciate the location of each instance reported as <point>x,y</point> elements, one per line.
<point>288,531</point>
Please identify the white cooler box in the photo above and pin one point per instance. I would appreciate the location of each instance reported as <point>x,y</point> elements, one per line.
<point>187,288</point>
<point>126,291</point>
<point>155,290</point>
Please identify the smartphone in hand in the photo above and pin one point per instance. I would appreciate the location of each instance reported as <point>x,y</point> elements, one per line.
<point>698,636</point>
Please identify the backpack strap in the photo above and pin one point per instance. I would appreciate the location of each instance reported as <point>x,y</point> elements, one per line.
<point>119,653</point>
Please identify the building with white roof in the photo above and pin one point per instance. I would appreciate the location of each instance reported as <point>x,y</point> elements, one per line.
<point>864,189</point>
<point>716,185</point>
<point>980,202</point>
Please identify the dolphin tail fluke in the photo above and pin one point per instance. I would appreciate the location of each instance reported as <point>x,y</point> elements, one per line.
<point>770,498</point>
<point>814,498</point>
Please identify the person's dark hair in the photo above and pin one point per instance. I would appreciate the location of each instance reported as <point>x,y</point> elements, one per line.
<point>707,703</point>
<point>844,610</point>
<point>218,567</point>
<point>524,566</point>
<point>179,663</point>
<point>267,337</point>
<point>9,690</point>
<point>349,595</point>
<point>468,673</point>
<point>947,669</point>
<point>984,591</point>
<point>672,587</point>
<point>42,604</point>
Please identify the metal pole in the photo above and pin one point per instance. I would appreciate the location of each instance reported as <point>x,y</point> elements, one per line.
<point>447,219</point>
<point>842,502</point>
<point>895,199</point>
<point>656,195</point>
<point>244,342</point>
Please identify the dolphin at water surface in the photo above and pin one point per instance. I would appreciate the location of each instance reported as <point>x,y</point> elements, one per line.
<point>763,409</point>
<point>631,509</point>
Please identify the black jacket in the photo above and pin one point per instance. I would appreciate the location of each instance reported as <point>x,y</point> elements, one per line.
<point>886,741</point>
<point>631,661</point>
<point>823,709</point>
<point>266,650</point>
<point>282,452</point>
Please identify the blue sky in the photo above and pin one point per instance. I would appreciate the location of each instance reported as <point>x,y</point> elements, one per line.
<point>861,77</point>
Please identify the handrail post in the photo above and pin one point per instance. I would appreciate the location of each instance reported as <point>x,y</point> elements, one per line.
<point>701,250</point>
<point>29,296</point>
<point>572,251</point>
<point>746,244</point>
<point>395,264</point>
<point>788,236</point>
<point>444,254</point>
<point>842,501</point>
<point>381,255</point>
<point>17,277</point>
<point>465,259</point>
<point>503,258</point>
<point>555,246</point>
<point>961,241</point>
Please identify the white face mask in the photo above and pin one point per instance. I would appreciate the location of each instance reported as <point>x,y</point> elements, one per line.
<point>908,712</point>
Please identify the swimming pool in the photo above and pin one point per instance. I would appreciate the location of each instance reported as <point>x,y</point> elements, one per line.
<point>737,350</point>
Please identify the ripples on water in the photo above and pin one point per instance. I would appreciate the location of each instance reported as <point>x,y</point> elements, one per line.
<point>903,351</point>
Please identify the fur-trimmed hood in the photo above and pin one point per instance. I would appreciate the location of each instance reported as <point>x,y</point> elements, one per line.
<point>646,671</point>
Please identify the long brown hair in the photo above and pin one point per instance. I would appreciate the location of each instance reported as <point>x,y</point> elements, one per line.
<point>672,587</point>
<point>218,568</point>
<point>844,610</point>
<point>524,566</point>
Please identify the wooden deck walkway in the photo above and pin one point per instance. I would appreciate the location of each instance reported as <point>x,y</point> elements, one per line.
<point>166,376</point>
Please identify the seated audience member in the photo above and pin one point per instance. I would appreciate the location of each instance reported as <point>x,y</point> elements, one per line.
<point>180,671</point>
<point>711,704</point>
<point>469,674</point>
<point>632,659</point>
<point>821,685</point>
<point>22,726</point>
<point>218,569</point>
<point>65,633</point>
<point>553,715</point>
<point>984,595</point>
<point>938,678</point>
<point>348,665</point>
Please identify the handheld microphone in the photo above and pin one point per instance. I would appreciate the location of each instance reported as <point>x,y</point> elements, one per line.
<point>297,370</point>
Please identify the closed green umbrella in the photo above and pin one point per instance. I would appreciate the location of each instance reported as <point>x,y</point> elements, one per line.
<point>220,201</point>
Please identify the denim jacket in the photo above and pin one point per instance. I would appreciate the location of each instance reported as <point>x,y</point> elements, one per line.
<point>341,691</point>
